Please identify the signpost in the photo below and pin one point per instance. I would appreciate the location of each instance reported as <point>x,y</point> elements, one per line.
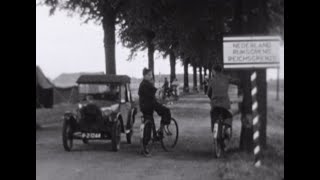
<point>251,53</point>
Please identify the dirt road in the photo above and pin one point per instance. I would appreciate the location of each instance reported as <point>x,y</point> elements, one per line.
<point>192,158</point>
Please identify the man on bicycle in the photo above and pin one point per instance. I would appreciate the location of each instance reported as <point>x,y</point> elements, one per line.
<point>166,86</point>
<point>218,94</point>
<point>175,86</point>
<point>148,103</point>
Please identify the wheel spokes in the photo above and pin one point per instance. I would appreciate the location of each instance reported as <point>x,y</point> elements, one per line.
<point>170,135</point>
<point>167,131</point>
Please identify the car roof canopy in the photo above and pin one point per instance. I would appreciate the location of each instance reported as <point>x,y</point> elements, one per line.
<point>101,79</point>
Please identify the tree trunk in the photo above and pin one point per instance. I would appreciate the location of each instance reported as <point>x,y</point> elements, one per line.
<point>195,84</point>
<point>172,66</point>
<point>205,71</point>
<point>150,56</point>
<point>201,78</point>
<point>109,41</point>
<point>186,77</point>
<point>246,139</point>
<point>253,24</point>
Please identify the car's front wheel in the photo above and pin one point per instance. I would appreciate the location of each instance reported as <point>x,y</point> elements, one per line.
<point>67,138</point>
<point>116,135</point>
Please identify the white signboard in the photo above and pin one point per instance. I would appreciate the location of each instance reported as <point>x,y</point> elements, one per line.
<point>251,52</point>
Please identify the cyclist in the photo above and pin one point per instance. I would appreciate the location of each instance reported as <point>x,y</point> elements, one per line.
<point>220,102</point>
<point>165,86</point>
<point>148,103</point>
<point>175,87</point>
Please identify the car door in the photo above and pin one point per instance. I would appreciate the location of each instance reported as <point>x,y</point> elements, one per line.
<point>125,105</point>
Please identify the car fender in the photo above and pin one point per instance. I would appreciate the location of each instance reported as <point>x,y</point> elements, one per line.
<point>131,118</point>
<point>133,114</point>
<point>117,116</point>
<point>69,117</point>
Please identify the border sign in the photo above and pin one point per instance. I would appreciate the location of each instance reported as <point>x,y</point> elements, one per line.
<point>251,52</point>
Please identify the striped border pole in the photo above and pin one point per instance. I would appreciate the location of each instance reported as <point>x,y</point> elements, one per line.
<point>257,161</point>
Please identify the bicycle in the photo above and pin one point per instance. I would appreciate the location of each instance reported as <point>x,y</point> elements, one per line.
<point>219,136</point>
<point>174,93</point>
<point>167,96</point>
<point>149,135</point>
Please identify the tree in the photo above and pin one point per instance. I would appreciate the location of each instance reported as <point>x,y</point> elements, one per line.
<point>185,76</point>
<point>139,22</point>
<point>179,34</point>
<point>275,17</point>
<point>200,78</point>
<point>166,26</point>
<point>166,39</point>
<point>195,82</point>
<point>172,66</point>
<point>100,11</point>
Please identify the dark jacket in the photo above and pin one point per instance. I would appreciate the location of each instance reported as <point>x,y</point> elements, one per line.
<point>147,97</point>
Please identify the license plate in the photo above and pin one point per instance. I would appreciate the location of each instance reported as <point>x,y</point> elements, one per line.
<point>91,135</point>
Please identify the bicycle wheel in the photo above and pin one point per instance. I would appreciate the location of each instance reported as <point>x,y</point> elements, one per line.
<point>147,137</point>
<point>170,135</point>
<point>217,140</point>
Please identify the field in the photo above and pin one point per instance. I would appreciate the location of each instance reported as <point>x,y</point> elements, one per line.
<point>191,159</point>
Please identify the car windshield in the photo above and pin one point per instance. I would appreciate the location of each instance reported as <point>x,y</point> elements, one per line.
<point>100,91</point>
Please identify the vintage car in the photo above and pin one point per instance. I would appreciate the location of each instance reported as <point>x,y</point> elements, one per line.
<point>105,110</point>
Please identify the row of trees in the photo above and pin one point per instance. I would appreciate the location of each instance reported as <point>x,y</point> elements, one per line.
<point>186,30</point>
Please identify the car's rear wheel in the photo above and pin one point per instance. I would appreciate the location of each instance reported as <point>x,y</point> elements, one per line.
<point>116,135</point>
<point>67,138</point>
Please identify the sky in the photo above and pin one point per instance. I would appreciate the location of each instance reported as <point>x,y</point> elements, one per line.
<point>66,45</point>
